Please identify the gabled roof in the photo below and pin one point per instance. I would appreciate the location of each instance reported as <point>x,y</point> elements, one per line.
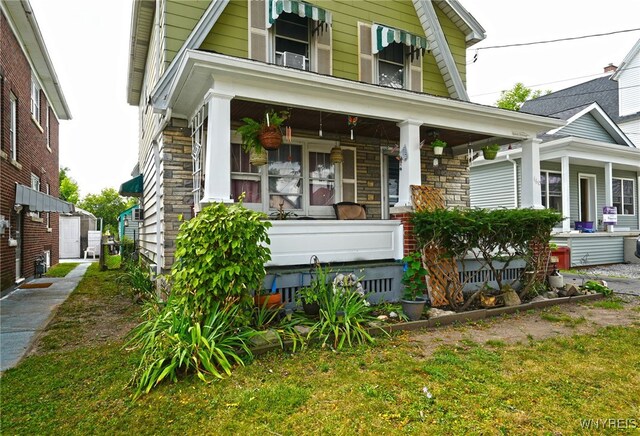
<point>139,47</point>
<point>603,119</point>
<point>567,102</point>
<point>24,25</point>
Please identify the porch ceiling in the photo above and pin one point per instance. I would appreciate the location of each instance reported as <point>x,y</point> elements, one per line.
<point>334,125</point>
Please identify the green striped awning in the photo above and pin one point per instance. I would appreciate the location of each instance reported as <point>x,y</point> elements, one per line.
<point>302,9</point>
<point>382,36</point>
<point>132,188</point>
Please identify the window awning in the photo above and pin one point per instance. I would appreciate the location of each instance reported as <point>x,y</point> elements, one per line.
<point>382,36</point>
<point>302,9</point>
<point>132,188</point>
<point>40,202</point>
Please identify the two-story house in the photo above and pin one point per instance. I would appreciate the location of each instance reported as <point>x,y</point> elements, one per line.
<point>374,81</point>
<point>589,169</point>
<point>31,105</point>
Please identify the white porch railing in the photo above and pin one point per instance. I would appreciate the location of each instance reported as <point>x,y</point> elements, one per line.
<point>294,242</point>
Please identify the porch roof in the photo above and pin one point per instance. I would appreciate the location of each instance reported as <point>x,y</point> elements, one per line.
<point>200,73</point>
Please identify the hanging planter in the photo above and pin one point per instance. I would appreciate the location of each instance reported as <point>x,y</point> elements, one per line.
<point>489,152</point>
<point>336,155</point>
<point>257,158</point>
<point>438,146</point>
<point>270,137</point>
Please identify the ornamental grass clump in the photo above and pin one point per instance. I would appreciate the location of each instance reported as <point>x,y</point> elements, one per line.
<point>203,327</point>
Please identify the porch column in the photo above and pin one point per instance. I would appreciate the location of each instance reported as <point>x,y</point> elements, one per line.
<point>410,160</point>
<point>566,195</point>
<point>531,193</point>
<point>217,183</point>
<point>608,189</point>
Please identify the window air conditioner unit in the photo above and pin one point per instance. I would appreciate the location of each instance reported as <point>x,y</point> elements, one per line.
<point>294,60</point>
<point>138,214</point>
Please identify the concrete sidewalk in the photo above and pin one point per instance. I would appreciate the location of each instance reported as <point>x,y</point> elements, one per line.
<point>24,313</point>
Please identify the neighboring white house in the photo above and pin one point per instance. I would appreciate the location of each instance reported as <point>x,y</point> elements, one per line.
<point>584,166</point>
<point>628,78</point>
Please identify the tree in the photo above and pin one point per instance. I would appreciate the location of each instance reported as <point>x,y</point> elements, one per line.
<point>107,205</point>
<point>514,98</point>
<point>69,190</point>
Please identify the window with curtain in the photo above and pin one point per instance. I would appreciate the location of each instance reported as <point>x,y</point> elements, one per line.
<point>244,176</point>
<point>623,197</point>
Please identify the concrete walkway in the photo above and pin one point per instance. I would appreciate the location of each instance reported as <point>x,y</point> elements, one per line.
<point>24,313</point>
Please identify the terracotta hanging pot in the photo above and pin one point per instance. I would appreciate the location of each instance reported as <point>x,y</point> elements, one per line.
<point>258,158</point>
<point>270,137</point>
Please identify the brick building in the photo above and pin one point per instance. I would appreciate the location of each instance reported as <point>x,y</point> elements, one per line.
<point>31,105</point>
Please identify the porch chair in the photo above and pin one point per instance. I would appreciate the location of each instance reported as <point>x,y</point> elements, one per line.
<point>90,250</point>
<point>348,210</point>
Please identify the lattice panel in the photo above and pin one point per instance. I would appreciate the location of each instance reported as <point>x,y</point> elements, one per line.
<point>442,271</point>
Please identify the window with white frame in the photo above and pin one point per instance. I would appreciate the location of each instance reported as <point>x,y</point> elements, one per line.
<point>292,41</point>
<point>298,177</point>
<point>35,185</point>
<point>551,190</point>
<point>392,66</point>
<point>35,99</point>
<point>13,127</point>
<point>623,196</point>
<point>48,217</point>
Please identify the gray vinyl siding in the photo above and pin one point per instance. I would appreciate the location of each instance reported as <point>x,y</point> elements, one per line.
<point>492,187</point>
<point>593,249</point>
<point>587,127</point>
<point>630,221</point>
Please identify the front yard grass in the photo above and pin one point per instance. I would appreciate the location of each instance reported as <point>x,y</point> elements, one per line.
<point>61,269</point>
<point>80,386</point>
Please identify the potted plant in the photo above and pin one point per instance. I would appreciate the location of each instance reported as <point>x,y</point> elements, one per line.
<point>258,137</point>
<point>490,151</point>
<point>309,296</point>
<point>413,301</point>
<point>438,146</point>
<point>270,135</point>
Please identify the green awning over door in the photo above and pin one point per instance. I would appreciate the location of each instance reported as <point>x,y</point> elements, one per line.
<point>302,9</point>
<point>382,36</point>
<point>132,188</point>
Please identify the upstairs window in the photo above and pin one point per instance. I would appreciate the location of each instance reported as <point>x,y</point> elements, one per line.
<point>391,66</point>
<point>13,127</point>
<point>292,41</point>
<point>35,99</point>
<point>47,126</point>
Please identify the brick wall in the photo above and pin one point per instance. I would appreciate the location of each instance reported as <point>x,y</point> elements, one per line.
<point>176,170</point>
<point>32,157</point>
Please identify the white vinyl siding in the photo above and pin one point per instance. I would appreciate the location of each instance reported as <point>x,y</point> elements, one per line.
<point>151,223</point>
<point>628,89</point>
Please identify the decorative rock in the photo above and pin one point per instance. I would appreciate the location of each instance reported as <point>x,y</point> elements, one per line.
<point>303,330</point>
<point>511,298</point>
<point>383,317</point>
<point>550,294</point>
<point>393,315</point>
<point>571,290</point>
<point>435,313</point>
<point>540,298</point>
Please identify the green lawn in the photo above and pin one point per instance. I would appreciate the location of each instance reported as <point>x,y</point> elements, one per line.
<point>61,269</point>
<point>538,387</point>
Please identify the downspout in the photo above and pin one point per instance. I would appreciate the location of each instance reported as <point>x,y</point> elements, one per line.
<point>159,217</point>
<point>515,179</point>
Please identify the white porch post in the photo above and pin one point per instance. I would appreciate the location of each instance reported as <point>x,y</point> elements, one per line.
<point>531,174</point>
<point>566,197</point>
<point>217,184</point>
<point>608,189</point>
<point>410,160</point>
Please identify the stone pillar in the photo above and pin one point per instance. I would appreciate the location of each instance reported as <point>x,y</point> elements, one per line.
<point>404,214</point>
<point>531,193</point>
<point>566,197</point>
<point>217,184</point>
<point>410,160</point>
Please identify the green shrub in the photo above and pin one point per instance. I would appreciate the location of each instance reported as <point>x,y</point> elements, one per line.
<point>127,248</point>
<point>220,254</point>
<point>137,280</point>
